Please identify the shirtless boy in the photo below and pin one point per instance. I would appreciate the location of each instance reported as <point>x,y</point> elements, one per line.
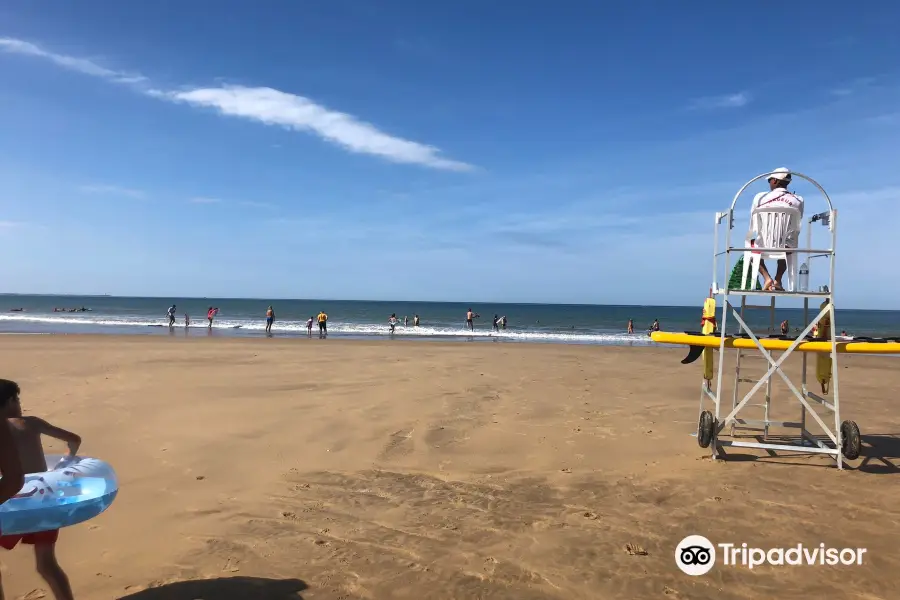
<point>26,432</point>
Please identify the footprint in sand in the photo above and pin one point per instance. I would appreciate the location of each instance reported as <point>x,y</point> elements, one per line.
<point>445,435</point>
<point>635,550</point>
<point>399,444</point>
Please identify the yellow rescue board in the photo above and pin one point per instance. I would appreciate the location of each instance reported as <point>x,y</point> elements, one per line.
<point>713,341</point>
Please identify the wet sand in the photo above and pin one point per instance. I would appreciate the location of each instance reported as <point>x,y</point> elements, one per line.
<point>267,468</point>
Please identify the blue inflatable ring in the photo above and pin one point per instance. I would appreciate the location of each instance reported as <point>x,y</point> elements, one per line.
<point>74,490</point>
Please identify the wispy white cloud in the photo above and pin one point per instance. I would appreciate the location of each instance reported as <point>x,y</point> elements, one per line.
<point>204,200</point>
<point>273,107</point>
<point>855,198</point>
<point>737,100</point>
<point>81,65</point>
<point>267,106</point>
<point>112,190</point>
<point>255,204</point>
<point>853,87</point>
<point>884,119</point>
<point>10,224</point>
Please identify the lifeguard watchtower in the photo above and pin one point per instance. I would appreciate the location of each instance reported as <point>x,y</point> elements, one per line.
<point>769,239</point>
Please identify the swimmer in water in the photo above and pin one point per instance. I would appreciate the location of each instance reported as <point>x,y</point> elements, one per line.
<point>416,321</point>
<point>392,321</point>
<point>187,320</point>
<point>630,325</point>
<point>470,320</point>
<point>270,318</point>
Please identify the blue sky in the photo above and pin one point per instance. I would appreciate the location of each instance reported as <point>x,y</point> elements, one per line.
<point>537,152</point>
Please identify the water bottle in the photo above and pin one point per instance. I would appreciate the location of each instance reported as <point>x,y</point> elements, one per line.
<point>804,278</point>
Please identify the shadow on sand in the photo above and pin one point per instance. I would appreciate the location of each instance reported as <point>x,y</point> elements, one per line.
<point>224,588</point>
<point>879,454</point>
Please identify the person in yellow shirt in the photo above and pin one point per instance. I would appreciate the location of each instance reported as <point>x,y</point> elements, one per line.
<point>323,324</point>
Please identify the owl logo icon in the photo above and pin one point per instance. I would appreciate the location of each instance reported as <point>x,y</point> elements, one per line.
<point>695,555</point>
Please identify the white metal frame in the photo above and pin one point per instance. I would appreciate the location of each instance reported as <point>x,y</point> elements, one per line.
<point>808,443</point>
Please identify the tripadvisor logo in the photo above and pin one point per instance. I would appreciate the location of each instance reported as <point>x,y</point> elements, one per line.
<point>696,555</point>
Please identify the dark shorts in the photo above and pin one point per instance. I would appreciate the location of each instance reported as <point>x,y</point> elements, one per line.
<point>269,320</point>
<point>42,538</point>
<point>323,325</point>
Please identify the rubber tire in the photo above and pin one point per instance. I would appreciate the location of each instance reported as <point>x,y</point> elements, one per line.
<point>705,429</point>
<point>851,445</point>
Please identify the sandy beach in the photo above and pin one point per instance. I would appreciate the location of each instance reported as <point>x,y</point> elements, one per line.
<point>267,468</point>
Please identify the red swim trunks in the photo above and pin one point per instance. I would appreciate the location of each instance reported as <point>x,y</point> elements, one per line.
<point>42,537</point>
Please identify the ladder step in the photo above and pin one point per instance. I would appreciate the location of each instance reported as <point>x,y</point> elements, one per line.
<point>760,306</point>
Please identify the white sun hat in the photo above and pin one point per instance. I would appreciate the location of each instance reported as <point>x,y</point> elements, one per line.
<point>781,174</point>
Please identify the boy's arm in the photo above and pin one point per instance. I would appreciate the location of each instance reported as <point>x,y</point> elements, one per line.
<point>10,465</point>
<point>72,439</point>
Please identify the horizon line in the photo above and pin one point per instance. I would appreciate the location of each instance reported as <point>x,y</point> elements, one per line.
<point>264,300</point>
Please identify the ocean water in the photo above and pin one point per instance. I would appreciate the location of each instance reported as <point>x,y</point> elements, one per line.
<point>551,323</point>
